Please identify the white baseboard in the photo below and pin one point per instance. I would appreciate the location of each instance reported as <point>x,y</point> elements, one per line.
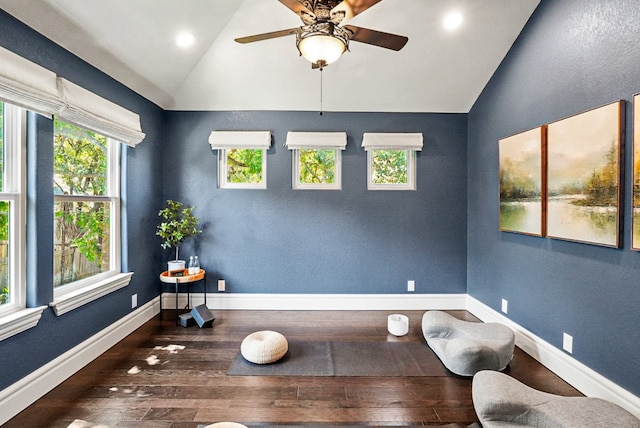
<point>322,302</point>
<point>27,390</point>
<point>584,379</point>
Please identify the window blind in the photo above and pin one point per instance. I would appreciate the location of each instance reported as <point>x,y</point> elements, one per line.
<point>220,140</point>
<point>392,141</point>
<point>28,85</point>
<point>316,140</point>
<point>88,110</point>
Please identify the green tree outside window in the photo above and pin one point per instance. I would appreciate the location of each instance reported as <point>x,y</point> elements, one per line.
<point>80,169</point>
<point>244,165</point>
<point>389,166</point>
<point>317,166</point>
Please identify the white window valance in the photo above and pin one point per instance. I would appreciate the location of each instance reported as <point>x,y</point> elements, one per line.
<point>220,140</point>
<point>392,141</point>
<point>90,111</point>
<point>28,85</point>
<point>316,140</point>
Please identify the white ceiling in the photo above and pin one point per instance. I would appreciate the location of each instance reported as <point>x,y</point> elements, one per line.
<point>134,42</point>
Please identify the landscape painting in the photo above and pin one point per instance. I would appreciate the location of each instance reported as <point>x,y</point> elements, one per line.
<point>584,176</point>
<point>521,182</point>
<point>635,239</point>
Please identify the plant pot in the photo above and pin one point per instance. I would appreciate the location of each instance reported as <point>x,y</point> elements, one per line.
<point>173,265</point>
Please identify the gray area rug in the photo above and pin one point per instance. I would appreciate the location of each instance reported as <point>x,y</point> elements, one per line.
<point>347,359</point>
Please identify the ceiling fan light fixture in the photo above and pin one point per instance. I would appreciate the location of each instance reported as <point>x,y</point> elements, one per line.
<point>322,44</point>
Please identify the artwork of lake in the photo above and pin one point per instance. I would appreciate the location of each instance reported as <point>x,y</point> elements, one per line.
<point>583,177</point>
<point>521,182</point>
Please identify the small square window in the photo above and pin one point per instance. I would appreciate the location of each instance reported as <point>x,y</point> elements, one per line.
<point>391,169</point>
<point>242,168</point>
<point>317,169</point>
<point>242,158</point>
<point>317,159</point>
<point>391,160</point>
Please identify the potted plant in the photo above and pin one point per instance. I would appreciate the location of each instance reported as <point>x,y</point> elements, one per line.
<point>178,224</point>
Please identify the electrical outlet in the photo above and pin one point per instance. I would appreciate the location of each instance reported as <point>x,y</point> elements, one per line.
<point>221,285</point>
<point>411,285</point>
<point>567,343</point>
<point>134,301</point>
<point>505,305</point>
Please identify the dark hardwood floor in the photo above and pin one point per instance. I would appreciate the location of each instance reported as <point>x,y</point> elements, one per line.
<point>149,380</point>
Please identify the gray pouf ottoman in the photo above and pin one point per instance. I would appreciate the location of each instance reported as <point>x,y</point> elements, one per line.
<point>501,401</point>
<point>466,347</point>
<point>264,347</point>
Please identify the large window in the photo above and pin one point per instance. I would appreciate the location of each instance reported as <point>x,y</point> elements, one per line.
<point>12,200</point>
<point>391,160</point>
<point>317,159</point>
<point>86,207</point>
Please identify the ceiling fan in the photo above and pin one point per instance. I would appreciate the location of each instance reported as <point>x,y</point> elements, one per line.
<point>322,40</point>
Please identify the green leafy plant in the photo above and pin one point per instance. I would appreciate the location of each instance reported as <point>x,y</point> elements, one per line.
<point>179,223</point>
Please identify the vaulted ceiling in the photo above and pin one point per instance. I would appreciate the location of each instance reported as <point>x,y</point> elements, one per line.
<point>134,42</point>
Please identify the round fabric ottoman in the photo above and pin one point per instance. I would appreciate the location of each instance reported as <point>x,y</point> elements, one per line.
<point>264,347</point>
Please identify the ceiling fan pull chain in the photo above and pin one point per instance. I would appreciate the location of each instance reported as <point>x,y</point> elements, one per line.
<point>321,68</point>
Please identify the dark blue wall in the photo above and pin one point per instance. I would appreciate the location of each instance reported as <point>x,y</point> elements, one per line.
<point>571,57</point>
<point>27,351</point>
<point>281,240</point>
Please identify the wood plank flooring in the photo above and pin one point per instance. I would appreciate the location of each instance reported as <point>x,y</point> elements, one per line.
<point>149,380</point>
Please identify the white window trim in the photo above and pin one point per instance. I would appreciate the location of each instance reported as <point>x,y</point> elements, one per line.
<point>336,141</point>
<point>19,321</point>
<point>16,317</point>
<point>88,293</point>
<point>73,295</point>
<point>15,188</point>
<point>411,173</point>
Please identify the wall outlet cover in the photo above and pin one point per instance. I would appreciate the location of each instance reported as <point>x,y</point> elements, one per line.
<point>567,343</point>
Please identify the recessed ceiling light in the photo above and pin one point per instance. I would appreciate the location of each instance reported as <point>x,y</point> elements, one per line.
<point>185,40</point>
<point>452,21</point>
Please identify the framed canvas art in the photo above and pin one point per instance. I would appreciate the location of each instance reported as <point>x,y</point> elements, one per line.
<point>584,176</point>
<point>635,236</point>
<point>522,184</point>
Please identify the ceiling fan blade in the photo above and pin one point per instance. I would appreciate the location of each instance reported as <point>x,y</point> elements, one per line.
<point>302,8</point>
<point>266,36</point>
<point>351,8</point>
<point>377,38</point>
